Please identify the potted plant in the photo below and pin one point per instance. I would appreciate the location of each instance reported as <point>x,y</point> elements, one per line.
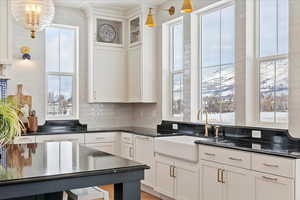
<point>10,123</point>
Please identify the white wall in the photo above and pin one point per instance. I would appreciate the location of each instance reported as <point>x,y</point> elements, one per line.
<point>31,74</point>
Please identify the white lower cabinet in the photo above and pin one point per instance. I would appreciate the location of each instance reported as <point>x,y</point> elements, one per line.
<point>221,182</point>
<point>164,178</point>
<point>127,146</point>
<point>237,184</point>
<point>105,141</point>
<point>176,179</point>
<point>60,137</point>
<point>144,153</point>
<point>127,151</point>
<point>24,139</point>
<point>210,185</point>
<point>105,147</point>
<point>186,181</point>
<point>222,179</point>
<point>273,187</point>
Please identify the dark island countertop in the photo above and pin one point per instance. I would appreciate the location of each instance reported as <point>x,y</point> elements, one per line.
<point>276,149</point>
<point>55,160</point>
<point>135,130</point>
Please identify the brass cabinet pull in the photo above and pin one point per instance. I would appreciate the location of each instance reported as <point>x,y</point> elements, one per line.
<point>170,171</point>
<point>270,179</point>
<point>219,181</point>
<point>235,159</point>
<point>269,165</point>
<point>210,154</point>
<point>222,176</point>
<point>174,171</point>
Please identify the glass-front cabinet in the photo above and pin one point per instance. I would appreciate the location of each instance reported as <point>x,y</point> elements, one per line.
<point>134,31</point>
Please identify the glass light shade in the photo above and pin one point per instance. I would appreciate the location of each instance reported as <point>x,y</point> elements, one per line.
<point>150,19</point>
<point>187,6</point>
<point>34,15</point>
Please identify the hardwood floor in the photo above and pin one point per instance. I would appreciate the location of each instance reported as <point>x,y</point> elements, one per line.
<point>110,189</point>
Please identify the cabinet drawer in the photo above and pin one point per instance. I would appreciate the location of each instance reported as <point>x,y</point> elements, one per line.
<point>105,147</point>
<point>225,156</point>
<point>61,137</point>
<point>127,138</point>
<point>210,153</point>
<point>91,138</point>
<point>236,158</point>
<point>24,140</point>
<point>274,165</point>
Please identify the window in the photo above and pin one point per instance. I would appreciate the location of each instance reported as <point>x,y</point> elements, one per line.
<point>273,60</point>
<point>61,71</point>
<point>176,68</point>
<point>173,69</point>
<point>217,67</point>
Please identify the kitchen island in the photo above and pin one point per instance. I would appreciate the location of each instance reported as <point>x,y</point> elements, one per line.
<point>44,171</point>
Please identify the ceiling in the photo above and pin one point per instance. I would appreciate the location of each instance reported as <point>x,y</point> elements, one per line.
<point>120,4</point>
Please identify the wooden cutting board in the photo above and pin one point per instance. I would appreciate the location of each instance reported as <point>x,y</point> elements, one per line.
<point>21,99</point>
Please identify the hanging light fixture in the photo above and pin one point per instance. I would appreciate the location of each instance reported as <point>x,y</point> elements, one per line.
<point>34,15</point>
<point>187,6</point>
<point>150,19</point>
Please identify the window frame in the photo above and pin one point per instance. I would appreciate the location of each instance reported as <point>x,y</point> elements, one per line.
<point>257,62</point>
<point>196,56</point>
<point>75,76</point>
<point>168,73</point>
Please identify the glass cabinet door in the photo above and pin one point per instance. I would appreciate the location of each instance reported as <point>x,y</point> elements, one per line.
<point>135,30</point>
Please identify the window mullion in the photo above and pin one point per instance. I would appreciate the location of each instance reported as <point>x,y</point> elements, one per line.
<point>220,86</point>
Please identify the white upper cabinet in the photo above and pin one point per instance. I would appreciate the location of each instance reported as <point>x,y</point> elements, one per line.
<point>109,82</point>
<point>141,59</point>
<point>121,57</point>
<point>107,56</point>
<point>5,33</point>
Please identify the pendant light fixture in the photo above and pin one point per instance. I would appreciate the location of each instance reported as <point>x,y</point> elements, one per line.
<point>34,15</point>
<point>150,18</point>
<point>187,6</point>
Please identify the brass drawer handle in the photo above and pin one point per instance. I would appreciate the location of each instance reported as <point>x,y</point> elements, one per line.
<point>210,154</point>
<point>222,176</point>
<point>100,138</point>
<point>269,165</point>
<point>270,179</point>
<point>219,180</point>
<point>235,159</point>
<point>174,172</point>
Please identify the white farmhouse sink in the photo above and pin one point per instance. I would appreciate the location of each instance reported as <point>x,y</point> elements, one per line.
<point>182,147</point>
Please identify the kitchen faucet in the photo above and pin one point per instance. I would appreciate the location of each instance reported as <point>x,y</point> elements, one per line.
<point>207,126</point>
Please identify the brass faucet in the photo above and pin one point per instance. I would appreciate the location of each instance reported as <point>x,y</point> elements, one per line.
<point>207,126</point>
<point>217,131</point>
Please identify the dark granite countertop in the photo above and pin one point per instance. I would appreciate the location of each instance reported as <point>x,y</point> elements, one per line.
<point>276,149</point>
<point>135,130</point>
<point>48,161</point>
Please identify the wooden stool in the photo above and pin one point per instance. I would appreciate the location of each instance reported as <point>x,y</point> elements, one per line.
<point>91,193</point>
